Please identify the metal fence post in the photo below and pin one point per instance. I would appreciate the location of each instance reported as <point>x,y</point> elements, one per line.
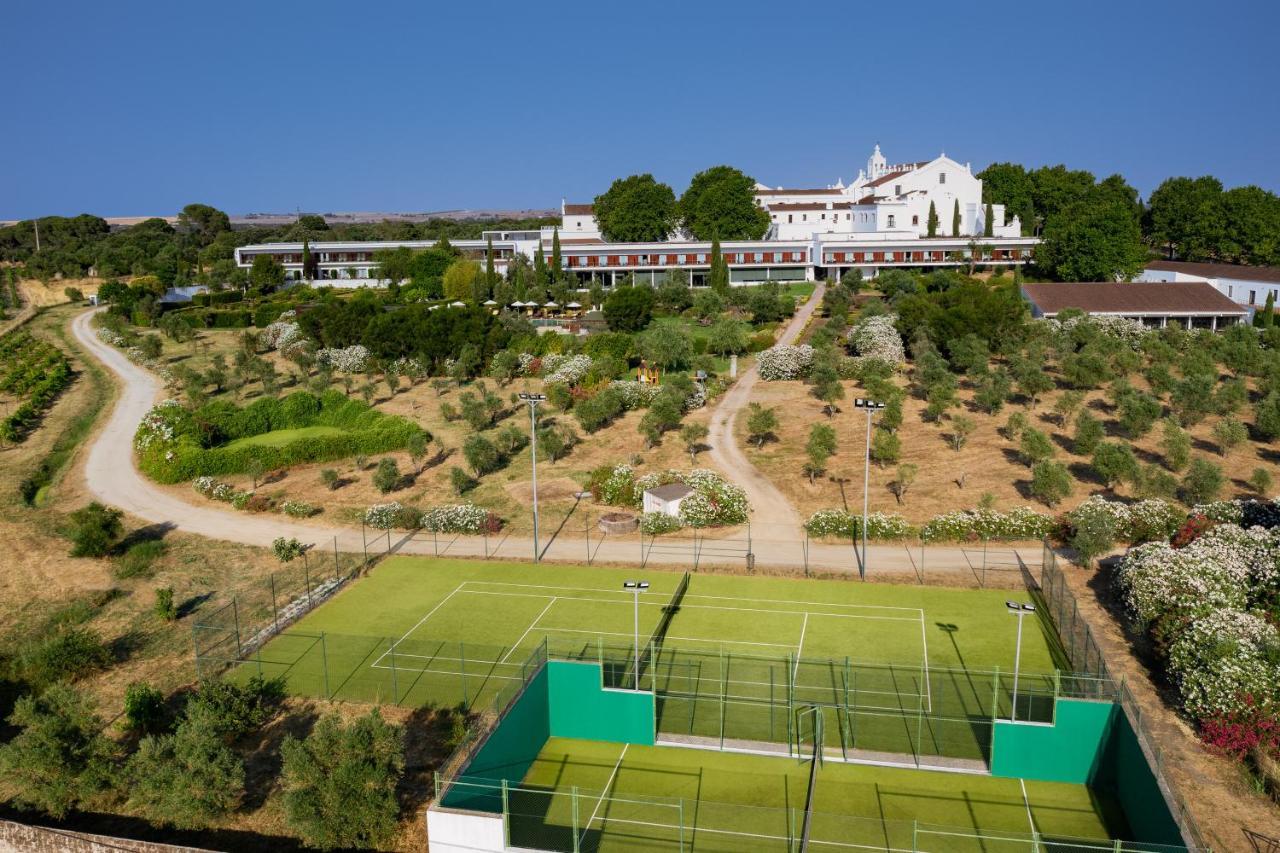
<point>395,681</point>
<point>337,570</point>
<point>573,794</point>
<point>506,814</point>
<point>462,668</point>
<point>324,664</point>
<point>235,614</point>
<point>984,562</point>
<point>306,578</point>
<point>275,619</point>
<point>364,544</point>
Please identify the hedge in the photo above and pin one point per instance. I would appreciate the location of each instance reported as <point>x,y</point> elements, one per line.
<point>175,445</point>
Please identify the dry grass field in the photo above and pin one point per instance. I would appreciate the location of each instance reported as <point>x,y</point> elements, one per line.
<point>950,479</point>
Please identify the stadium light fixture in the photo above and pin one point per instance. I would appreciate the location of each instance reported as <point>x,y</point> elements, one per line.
<point>871,407</point>
<point>636,587</point>
<point>533,400</point>
<point>1019,609</point>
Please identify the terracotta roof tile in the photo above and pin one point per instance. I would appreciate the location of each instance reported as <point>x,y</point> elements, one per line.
<point>1232,271</point>
<point>578,209</point>
<point>1107,297</point>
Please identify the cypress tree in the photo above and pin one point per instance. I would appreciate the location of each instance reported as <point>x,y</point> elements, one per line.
<point>539,269</point>
<point>1267,317</point>
<point>309,265</point>
<point>719,279</point>
<point>989,225</point>
<point>556,263</point>
<point>490,274</point>
<point>955,220</point>
<point>933,220</point>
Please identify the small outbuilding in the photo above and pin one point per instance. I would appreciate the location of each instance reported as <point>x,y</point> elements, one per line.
<point>666,499</point>
<point>1192,305</point>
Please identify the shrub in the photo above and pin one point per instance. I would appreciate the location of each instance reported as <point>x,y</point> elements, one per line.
<point>93,530</point>
<point>66,655</point>
<point>1115,463</point>
<point>784,362</point>
<point>387,475</point>
<point>287,550</point>
<point>1202,483</point>
<point>187,779</point>
<point>886,447</point>
<point>598,411</point>
<point>330,478</point>
<point>165,608</point>
<point>987,523</point>
<point>231,710</point>
<point>1222,658</point>
<point>460,518</point>
<point>144,708</point>
<point>836,522</point>
<point>877,337</point>
<point>1229,433</point>
<point>1035,447</point>
<point>657,523</point>
<point>388,515</point>
<point>298,509</point>
<point>1050,482</point>
<point>1260,480</point>
<point>1088,435</point>
<point>137,561</point>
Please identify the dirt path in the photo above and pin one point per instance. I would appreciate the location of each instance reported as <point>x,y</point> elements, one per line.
<point>768,505</point>
<point>111,476</point>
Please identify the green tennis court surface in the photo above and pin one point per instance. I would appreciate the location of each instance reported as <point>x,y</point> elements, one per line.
<point>446,631</point>
<point>630,798</point>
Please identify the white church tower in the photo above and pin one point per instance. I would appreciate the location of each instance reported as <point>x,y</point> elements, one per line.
<point>876,164</point>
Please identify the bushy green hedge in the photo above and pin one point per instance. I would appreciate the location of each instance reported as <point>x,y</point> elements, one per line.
<point>175,444</point>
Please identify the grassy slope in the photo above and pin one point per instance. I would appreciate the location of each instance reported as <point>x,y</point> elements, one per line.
<point>281,437</point>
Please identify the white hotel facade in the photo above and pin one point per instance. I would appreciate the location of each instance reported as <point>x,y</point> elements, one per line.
<point>878,221</point>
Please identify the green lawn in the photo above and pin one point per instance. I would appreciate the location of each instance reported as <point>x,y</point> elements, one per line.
<point>282,437</point>
<point>728,802</point>
<point>422,630</point>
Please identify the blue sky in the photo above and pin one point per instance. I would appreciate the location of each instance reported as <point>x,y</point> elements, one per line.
<point>138,107</point>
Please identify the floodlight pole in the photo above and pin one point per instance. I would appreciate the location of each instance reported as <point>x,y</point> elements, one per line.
<point>636,587</point>
<point>871,406</point>
<point>533,400</point>
<point>1019,610</point>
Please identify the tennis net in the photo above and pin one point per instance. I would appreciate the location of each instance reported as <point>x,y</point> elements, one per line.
<point>654,645</point>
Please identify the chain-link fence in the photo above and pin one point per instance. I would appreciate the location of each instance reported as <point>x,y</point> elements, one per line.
<point>261,609</point>
<point>1085,656</point>
<point>578,820</point>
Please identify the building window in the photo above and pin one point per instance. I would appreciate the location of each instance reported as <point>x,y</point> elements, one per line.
<point>1253,294</point>
<point>897,189</point>
<point>790,218</point>
<point>942,177</point>
<point>890,220</point>
<point>915,220</point>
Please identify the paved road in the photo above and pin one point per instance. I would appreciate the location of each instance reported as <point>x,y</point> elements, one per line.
<point>112,476</point>
<point>766,501</point>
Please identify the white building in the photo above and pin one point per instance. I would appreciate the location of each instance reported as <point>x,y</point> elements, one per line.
<point>1248,286</point>
<point>879,221</point>
<point>666,499</point>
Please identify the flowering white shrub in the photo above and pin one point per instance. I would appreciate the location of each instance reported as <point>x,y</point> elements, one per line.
<point>281,334</point>
<point>878,338</point>
<point>352,359</point>
<point>240,500</point>
<point>635,395</point>
<point>567,370</point>
<point>837,522</point>
<point>697,399</point>
<point>1144,521</point>
<point>714,502</point>
<point>657,523</point>
<point>297,509</point>
<point>384,516</point>
<point>157,426</point>
<point>1155,579</point>
<point>204,485</point>
<point>785,362</point>
<point>111,337</point>
<point>1222,658</point>
<point>619,488</point>
<point>1018,523</point>
<point>1123,329</point>
<point>409,367</point>
<point>458,518</point>
<point>527,361</point>
<point>224,492</point>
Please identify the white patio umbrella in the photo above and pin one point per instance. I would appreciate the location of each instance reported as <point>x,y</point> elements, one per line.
<point>488,302</point>
<point>551,305</point>
<point>457,305</point>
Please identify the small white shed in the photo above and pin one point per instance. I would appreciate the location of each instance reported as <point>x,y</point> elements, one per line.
<point>666,499</point>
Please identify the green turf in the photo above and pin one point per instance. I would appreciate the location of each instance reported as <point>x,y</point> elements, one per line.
<point>420,630</point>
<point>282,437</point>
<point>728,801</point>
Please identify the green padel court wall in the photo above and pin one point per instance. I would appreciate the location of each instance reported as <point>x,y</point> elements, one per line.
<point>1069,750</point>
<point>1089,743</point>
<point>565,699</point>
<point>582,708</point>
<point>510,750</point>
<point>1127,775</point>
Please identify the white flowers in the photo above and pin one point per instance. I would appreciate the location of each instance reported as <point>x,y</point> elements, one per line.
<point>383,516</point>
<point>157,427</point>
<point>567,370</point>
<point>352,359</point>
<point>877,337</point>
<point>785,362</point>
<point>1144,521</point>
<point>1223,657</point>
<point>111,337</point>
<point>1130,332</point>
<point>635,395</point>
<point>714,501</point>
<point>281,334</point>
<point>458,518</point>
<point>1018,523</point>
<point>837,522</point>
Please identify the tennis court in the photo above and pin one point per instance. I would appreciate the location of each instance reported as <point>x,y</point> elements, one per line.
<point>422,630</point>
<point>616,797</point>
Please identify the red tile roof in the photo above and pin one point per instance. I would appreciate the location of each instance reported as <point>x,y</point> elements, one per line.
<point>1232,271</point>
<point>578,209</point>
<point>800,192</point>
<point>1109,297</point>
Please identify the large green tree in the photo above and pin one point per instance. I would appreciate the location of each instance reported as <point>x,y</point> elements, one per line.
<point>636,209</point>
<point>1250,227</point>
<point>340,783</point>
<point>720,202</point>
<point>1184,217</point>
<point>1011,185</point>
<point>202,223</point>
<point>1097,238</point>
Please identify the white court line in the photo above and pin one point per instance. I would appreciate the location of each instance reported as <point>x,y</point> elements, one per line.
<point>696,829</point>
<point>703,607</point>
<point>800,650</point>
<point>698,595</point>
<point>924,641</point>
<point>604,793</point>
<point>418,624</point>
<point>517,643</point>
<point>669,637</point>
<point>1030,819</point>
